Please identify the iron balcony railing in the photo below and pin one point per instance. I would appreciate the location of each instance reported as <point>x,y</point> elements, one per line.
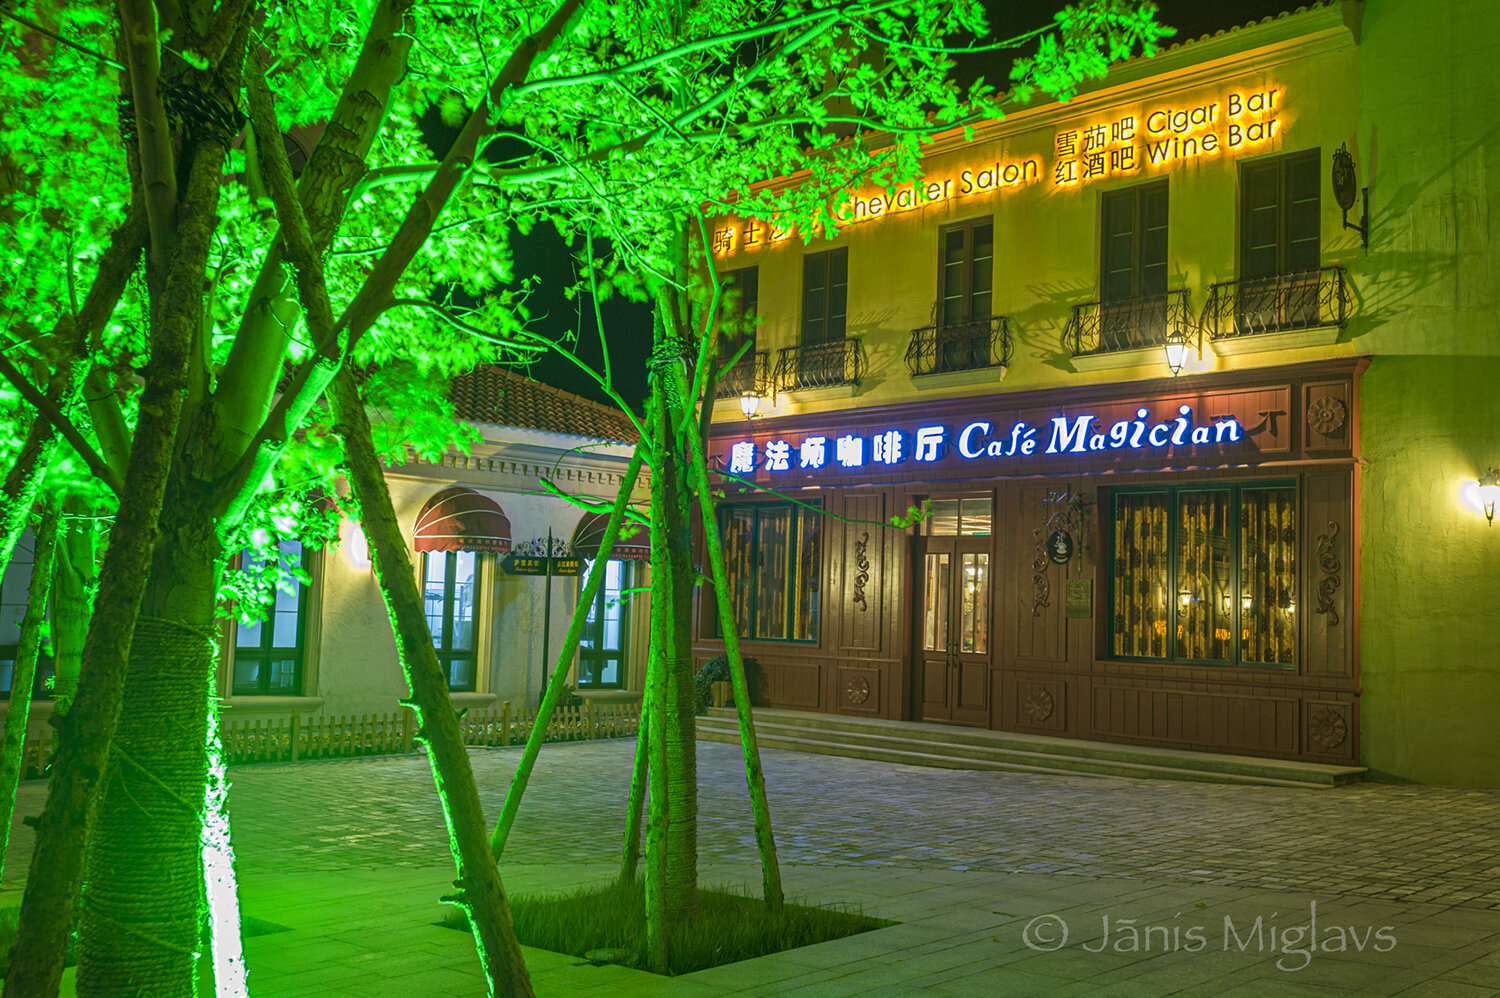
<point>960,346</point>
<point>1277,304</point>
<point>821,366</point>
<point>751,374</point>
<point>1128,323</point>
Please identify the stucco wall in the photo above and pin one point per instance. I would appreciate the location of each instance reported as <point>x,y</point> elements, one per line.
<point>1430,150</point>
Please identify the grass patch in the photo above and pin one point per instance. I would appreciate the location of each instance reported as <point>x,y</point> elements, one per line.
<point>729,927</point>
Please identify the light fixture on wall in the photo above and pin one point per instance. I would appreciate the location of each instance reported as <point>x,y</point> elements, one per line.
<point>1489,492</point>
<point>1178,343</point>
<point>753,403</point>
<point>1343,192</point>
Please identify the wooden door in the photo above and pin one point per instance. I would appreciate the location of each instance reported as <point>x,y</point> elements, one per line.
<point>954,578</point>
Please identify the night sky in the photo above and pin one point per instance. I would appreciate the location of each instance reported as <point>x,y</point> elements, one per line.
<point>543,254</point>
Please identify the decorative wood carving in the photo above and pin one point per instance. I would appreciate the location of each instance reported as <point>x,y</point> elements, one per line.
<point>1039,705</point>
<point>862,574</point>
<point>1326,414</point>
<point>857,690</point>
<point>1041,586</point>
<point>1327,728</point>
<point>1328,561</point>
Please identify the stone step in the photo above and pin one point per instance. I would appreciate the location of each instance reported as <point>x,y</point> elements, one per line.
<point>955,747</point>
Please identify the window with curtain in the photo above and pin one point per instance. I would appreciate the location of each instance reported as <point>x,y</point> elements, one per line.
<point>773,557</point>
<point>450,590</point>
<point>268,654</point>
<point>606,630</point>
<point>1205,574</point>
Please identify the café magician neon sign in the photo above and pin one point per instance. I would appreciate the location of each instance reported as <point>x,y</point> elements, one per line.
<point>1080,434</point>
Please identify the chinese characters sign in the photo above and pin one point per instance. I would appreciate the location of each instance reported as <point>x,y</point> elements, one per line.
<point>977,439</point>
<point>1148,139</point>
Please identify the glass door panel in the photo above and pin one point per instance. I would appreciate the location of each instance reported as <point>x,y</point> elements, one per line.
<point>935,597</point>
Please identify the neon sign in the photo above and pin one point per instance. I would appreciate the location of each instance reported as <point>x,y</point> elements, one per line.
<point>1076,434</point>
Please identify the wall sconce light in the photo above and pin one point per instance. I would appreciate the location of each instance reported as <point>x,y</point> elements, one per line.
<point>1343,192</point>
<point>1177,347</point>
<point>1489,492</point>
<point>753,403</point>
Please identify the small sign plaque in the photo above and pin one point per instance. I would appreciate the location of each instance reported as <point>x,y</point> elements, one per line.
<point>1079,601</point>
<point>1060,547</point>
<point>524,564</point>
<point>567,566</point>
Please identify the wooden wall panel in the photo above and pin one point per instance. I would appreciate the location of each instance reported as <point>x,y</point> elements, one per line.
<point>1326,575</point>
<point>794,685</point>
<point>1254,723</point>
<point>860,573</point>
<point>1037,586</point>
<point>860,690</point>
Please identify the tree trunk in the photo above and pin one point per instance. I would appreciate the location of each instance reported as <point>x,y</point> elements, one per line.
<point>754,776</point>
<point>657,815</point>
<point>630,851</point>
<point>74,574</point>
<point>480,893</point>
<point>564,657</point>
<point>86,732</point>
<point>23,675</point>
<point>142,903</point>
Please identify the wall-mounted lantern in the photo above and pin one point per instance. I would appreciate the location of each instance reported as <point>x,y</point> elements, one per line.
<point>1179,342</point>
<point>753,403</point>
<point>1343,192</point>
<point>1489,492</point>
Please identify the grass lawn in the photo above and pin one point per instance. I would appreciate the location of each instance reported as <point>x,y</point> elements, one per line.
<point>608,924</point>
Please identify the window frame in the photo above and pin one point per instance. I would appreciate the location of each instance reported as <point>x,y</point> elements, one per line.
<point>46,667</point>
<point>965,295</point>
<point>1282,165</point>
<point>593,627</point>
<point>749,625</point>
<point>1171,492</point>
<point>266,652</point>
<point>1137,197</point>
<point>747,309</point>
<point>828,290</point>
<point>446,654</point>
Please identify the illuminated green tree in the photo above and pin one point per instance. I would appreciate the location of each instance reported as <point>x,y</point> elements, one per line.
<point>180,301</point>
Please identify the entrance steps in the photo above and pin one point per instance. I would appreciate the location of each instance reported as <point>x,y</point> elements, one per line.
<point>955,747</point>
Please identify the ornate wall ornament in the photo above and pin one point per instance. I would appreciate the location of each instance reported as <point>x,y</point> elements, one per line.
<point>862,574</point>
<point>1327,728</point>
<point>1039,705</point>
<point>1326,414</point>
<point>1041,586</point>
<point>857,690</point>
<point>1328,561</point>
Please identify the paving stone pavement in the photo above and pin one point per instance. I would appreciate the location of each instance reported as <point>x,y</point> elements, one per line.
<point>1371,840</point>
<point>1002,883</point>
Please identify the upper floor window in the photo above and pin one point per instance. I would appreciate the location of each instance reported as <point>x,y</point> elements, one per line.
<point>450,589</point>
<point>773,556</point>
<point>269,654</point>
<point>1134,252</point>
<point>825,296</point>
<point>606,631</point>
<point>737,315</point>
<point>1279,215</point>
<point>1205,574</point>
<point>966,272</point>
<point>13,592</point>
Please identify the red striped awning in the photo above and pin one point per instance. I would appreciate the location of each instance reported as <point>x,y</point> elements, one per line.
<point>632,544</point>
<point>459,519</point>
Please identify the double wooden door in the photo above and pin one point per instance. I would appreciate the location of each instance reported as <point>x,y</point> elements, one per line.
<point>951,627</point>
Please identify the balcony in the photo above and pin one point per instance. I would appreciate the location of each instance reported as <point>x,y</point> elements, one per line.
<point>827,365</point>
<point>1126,331</point>
<point>1275,313</point>
<point>968,346</point>
<point>751,374</point>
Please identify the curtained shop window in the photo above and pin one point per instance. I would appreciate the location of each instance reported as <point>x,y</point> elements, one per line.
<point>1205,574</point>
<point>606,630</point>
<point>773,557</point>
<point>13,592</point>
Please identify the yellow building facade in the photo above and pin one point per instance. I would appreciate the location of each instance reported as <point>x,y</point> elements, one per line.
<point>1276,548</point>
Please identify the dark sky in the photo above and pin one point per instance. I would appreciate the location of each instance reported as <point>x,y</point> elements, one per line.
<point>542,252</point>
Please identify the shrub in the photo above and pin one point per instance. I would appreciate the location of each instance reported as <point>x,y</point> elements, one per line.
<point>716,670</point>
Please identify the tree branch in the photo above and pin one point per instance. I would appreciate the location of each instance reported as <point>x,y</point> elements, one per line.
<point>65,426</point>
<point>63,41</point>
<point>158,168</point>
